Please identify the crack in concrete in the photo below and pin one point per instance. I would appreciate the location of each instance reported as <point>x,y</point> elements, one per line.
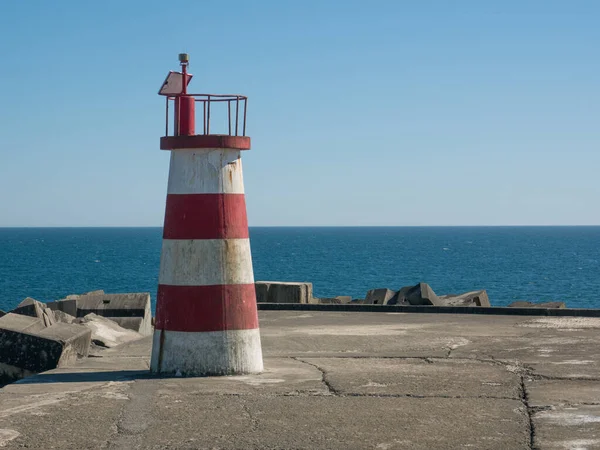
<point>253,419</point>
<point>530,412</point>
<point>330,388</point>
<point>429,360</point>
<point>333,391</point>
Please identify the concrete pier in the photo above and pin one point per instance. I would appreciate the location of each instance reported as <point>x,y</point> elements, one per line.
<point>335,380</point>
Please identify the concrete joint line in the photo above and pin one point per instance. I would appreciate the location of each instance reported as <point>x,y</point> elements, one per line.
<point>418,396</point>
<point>427,359</point>
<point>547,377</point>
<point>537,409</point>
<point>338,394</point>
<point>529,412</point>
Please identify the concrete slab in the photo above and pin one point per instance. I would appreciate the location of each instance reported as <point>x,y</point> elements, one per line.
<point>548,393</point>
<point>418,377</point>
<point>568,427</point>
<point>333,380</point>
<point>85,420</point>
<point>377,334</point>
<point>282,376</point>
<point>139,415</point>
<point>555,354</point>
<point>338,423</point>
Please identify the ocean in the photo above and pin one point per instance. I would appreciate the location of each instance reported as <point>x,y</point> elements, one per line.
<point>512,263</point>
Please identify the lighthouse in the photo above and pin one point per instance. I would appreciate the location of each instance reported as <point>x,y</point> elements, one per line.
<point>206,316</point>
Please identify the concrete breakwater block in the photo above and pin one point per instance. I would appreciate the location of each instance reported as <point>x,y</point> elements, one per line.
<point>28,346</point>
<point>379,296</point>
<point>474,298</point>
<point>66,305</point>
<point>283,292</point>
<point>21,323</point>
<point>131,311</point>
<point>33,308</point>
<point>339,300</point>
<point>63,317</point>
<point>105,332</point>
<point>422,294</point>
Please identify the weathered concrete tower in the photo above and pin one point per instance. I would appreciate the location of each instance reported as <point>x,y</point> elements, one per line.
<point>206,316</point>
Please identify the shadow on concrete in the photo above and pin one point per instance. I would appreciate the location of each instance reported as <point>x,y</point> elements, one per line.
<point>87,377</point>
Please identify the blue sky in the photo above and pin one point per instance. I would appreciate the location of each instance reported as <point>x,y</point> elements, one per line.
<point>361,113</point>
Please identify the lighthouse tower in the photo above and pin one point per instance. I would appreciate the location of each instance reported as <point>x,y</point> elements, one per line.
<point>206,316</point>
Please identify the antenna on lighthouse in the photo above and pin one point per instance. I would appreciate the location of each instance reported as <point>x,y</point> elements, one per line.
<point>184,60</point>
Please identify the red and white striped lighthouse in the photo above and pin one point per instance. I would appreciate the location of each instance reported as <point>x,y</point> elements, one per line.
<point>206,316</point>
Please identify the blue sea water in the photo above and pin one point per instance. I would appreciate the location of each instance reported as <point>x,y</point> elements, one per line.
<point>512,263</point>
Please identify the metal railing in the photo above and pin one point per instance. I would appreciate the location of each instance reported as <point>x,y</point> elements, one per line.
<point>234,102</point>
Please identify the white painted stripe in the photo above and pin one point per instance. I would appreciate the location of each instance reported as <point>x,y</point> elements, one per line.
<point>205,262</point>
<point>206,171</point>
<point>210,353</point>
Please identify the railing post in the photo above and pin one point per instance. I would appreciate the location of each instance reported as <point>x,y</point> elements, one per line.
<point>245,108</point>
<point>237,116</point>
<point>229,115</point>
<point>167,117</point>
<point>208,117</point>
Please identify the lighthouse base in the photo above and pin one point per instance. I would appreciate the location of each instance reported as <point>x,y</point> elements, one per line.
<point>194,354</point>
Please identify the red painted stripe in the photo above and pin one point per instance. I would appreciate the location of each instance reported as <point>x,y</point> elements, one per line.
<point>204,141</point>
<point>206,216</point>
<point>206,308</point>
